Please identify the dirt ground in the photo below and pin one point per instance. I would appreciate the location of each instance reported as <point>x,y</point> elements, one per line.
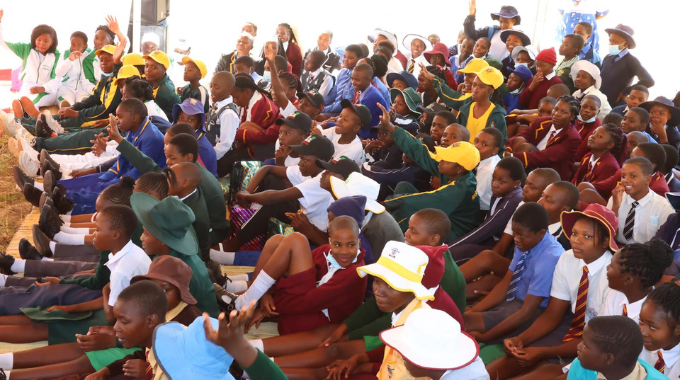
<point>13,207</point>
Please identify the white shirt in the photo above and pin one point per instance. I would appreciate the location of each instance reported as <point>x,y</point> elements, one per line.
<point>544,143</point>
<point>498,48</point>
<point>73,70</point>
<point>472,371</point>
<point>127,263</point>
<point>555,229</point>
<point>290,108</point>
<point>484,173</point>
<point>152,109</point>
<point>354,150</point>
<point>229,123</point>
<point>651,212</point>
<point>315,200</point>
<point>605,108</point>
<point>567,277</point>
<point>394,66</point>
<point>326,85</point>
<point>670,358</point>
<point>615,302</point>
<point>418,61</point>
<point>290,161</point>
<point>256,96</point>
<point>550,76</point>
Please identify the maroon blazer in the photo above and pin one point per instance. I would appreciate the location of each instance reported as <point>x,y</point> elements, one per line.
<point>585,130</point>
<point>530,99</point>
<point>604,168</point>
<point>402,59</point>
<point>294,55</point>
<point>559,153</point>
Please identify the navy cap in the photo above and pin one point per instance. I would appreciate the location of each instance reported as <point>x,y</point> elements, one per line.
<point>314,97</point>
<point>315,145</point>
<point>359,109</point>
<point>343,166</point>
<point>189,106</point>
<point>298,120</point>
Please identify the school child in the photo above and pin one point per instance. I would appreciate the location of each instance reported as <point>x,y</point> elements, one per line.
<point>664,118</point>
<point>658,324</point>
<point>637,95</point>
<point>385,153</point>
<point>246,65</point>
<point>190,112</point>
<point>606,147</point>
<point>283,87</point>
<point>367,95</point>
<point>609,350</point>
<point>517,81</point>
<point>526,283</point>
<point>314,77</point>
<point>524,56</point>
<point>632,274</point>
<point>519,120</point>
<point>223,119</point>
<point>136,60</point>
<point>438,56</point>
<point>569,49</point>
<point>155,71</point>
<point>449,96</point>
<point>545,77</point>
<point>343,85</point>
<point>440,121</point>
<point>353,119</point>
<point>587,122</point>
<point>587,81</point>
<point>78,77</point>
<point>296,131</point>
<point>488,142</point>
<point>407,103</point>
<point>402,80</point>
<point>635,138</point>
<point>619,67</point>
<point>553,146</point>
<point>587,53</point>
<point>643,210</point>
<point>577,293</point>
<point>507,17</point>
<point>667,168</point>
<point>506,184</point>
<point>194,71</point>
<point>512,39</point>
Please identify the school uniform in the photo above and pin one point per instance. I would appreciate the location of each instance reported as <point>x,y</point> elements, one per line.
<point>413,64</point>
<point>315,200</point>
<point>554,229</point>
<point>563,70</point>
<point>380,86</point>
<point>200,285</point>
<point>618,72</point>
<point>369,98</point>
<point>605,187</point>
<point>530,99</point>
<point>617,303</point>
<point>128,262</point>
<point>221,125</point>
<point>262,111</point>
<point>390,178</point>
<point>670,231</point>
<point>321,295</point>
<point>556,149</point>
<point>320,81</point>
<point>494,117</point>
<point>671,366</point>
<point>498,49</point>
<point>343,90</point>
<point>595,170</point>
<point>457,199</point>
<point>589,54</point>
<point>294,56</point>
<point>201,224</point>
<point>206,152</point>
<point>450,97</point>
<point>386,158</point>
<point>650,214</point>
<point>511,101</point>
<point>672,135</point>
<point>226,63</point>
<point>605,108</point>
<point>641,371</point>
<point>199,93</point>
<point>165,96</point>
<point>585,130</point>
<point>379,229</point>
<point>332,62</point>
<point>484,172</point>
<point>621,110</point>
<point>354,150</point>
<point>78,76</point>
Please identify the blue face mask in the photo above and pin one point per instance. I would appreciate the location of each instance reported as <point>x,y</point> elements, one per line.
<point>107,74</point>
<point>592,119</point>
<point>614,49</point>
<point>267,76</point>
<point>333,263</point>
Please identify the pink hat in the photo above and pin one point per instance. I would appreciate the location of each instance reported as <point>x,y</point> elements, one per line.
<point>548,56</point>
<point>438,48</point>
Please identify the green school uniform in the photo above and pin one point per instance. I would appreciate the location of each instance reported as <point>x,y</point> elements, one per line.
<point>201,225</point>
<point>165,96</point>
<point>452,98</point>
<point>495,120</point>
<point>264,369</point>
<point>200,285</point>
<point>199,93</point>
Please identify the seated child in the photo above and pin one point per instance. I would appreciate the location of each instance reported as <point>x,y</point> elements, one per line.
<point>155,71</point>
<point>663,120</point>
<point>658,324</point>
<point>77,70</point>
<point>450,97</point>
<point>606,147</point>
<point>194,71</point>
<point>343,84</point>
<point>587,53</point>
<point>439,56</point>
<point>313,288</point>
<point>293,130</point>
<point>609,350</point>
<point>367,95</point>
<point>345,135</point>
<point>314,77</point>
<point>190,112</point>
<point>402,80</point>
<point>521,119</point>
<point>516,83</point>
<point>385,153</point>
<point>637,95</point>
<point>636,119</point>
<point>587,121</point>
<point>482,112</point>
<point>406,103</point>
<point>512,39</point>
<point>545,77</point>
<point>578,292</point>
<point>587,81</point>
<point>246,65</point>
<point>667,169</point>
<point>550,142</point>
<point>480,51</point>
<point>488,142</point>
<point>440,121</point>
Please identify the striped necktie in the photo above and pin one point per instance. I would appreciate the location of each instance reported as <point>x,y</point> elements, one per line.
<point>625,311</point>
<point>412,66</point>
<point>660,364</point>
<point>516,276</point>
<point>579,321</point>
<point>630,222</point>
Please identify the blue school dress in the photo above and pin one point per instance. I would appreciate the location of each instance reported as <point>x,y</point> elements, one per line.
<point>575,11</point>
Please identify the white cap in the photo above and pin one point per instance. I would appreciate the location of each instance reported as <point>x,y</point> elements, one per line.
<point>151,37</point>
<point>358,184</point>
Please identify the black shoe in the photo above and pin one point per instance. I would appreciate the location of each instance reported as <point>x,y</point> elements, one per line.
<point>43,200</point>
<point>49,182</point>
<point>42,130</point>
<point>44,156</point>
<point>6,262</point>
<point>32,194</point>
<point>49,222</point>
<point>3,375</point>
<point>62,203</point>
<point>215,273</point>
<point>28,252</point>
<point>41,241</point>
<point>47,166</point>
<point>228,304</point>
<point>20,177</point>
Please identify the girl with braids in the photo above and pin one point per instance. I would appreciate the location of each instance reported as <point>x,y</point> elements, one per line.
<point>379,65</point>
<point>550,142</point>
<point>606,146</point>
<point>578,292</point>
<point>660,326</point>
<point>291,46</point>
<point>632,273</point>
<point>154,184</point>
<point>135,87</point>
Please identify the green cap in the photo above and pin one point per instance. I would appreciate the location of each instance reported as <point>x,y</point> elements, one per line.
<point>411,97</point>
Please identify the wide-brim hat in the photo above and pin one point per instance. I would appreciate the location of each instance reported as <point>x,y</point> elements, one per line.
<point>173,344</point>
<point>674,200</point>
<point>588,67</point>
<point>358,184</point>
<point>411,97</point>
<point>432,339</point>
<point>603,215</point>
<point>403,76</point>
<point>169,221</point>
<point>506,33</point>
<point>438,48</point>
<point>507,11</point>
<point>527,48</point>
<point>389,35</point>
<point>406,42</point>
<point>664,101</point>
<point>624,31</point>
<point>173,271</point>
<point>189,106</point>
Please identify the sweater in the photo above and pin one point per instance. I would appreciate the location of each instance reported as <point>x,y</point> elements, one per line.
<point>529,99</point>
<point>617,75</point>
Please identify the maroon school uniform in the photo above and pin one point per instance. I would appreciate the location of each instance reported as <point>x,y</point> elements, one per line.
<point>603,169</point>
<point>300,301</point>
<point>402,59</point>
<point>585,130</point>
<point>529,99</point>
<point>605,187</point>
<point>559,153</point>
<point>294,55</point>
<point>264,114</point>
<point>450,79</point>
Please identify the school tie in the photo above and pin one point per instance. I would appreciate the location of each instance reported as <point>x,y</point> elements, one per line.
<point>149,371</point>
<point>630,222</point>
<point>579,321</point>
<point>357,94</point>
<point>516,276</point>
<point>625,311</point>
<point>412,66</point>
<point>552,135</point>
<point>660,364</point>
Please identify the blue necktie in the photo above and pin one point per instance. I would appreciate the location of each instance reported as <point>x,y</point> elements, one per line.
<point>519,268</point>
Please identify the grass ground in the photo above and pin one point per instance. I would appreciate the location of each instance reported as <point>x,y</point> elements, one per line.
<point>13,207</point>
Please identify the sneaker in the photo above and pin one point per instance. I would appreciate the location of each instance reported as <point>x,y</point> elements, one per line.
<point>25,146</point>
<point>23,133</point>
<point>28,165</point>
<point>14,147</point>
<point>64,104</point>
<point>54,125</point>
<point>8,123</point>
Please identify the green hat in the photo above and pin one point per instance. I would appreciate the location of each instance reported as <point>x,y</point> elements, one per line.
<point>168,220</point>
<point>411,98</point>
<point>493,62</point>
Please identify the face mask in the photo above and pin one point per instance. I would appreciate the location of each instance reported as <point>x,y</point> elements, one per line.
<point>522,64</point>
<point>614,49</point>
<point>107,74</point>
<point>592,119</point>
<point>267,76</point>
<point>334,264</point>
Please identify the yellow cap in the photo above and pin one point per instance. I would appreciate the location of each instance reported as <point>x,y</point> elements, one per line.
<point>473,66</point>
<point>134,59</point>
<point>159,57</point>
<point>491,76</point>
<point>201,66</point>
<point>125,72</point>
<point>106,49</point>
<point>461,152</point>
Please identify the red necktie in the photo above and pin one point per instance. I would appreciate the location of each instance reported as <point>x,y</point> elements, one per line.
<point>149,370</point>
<point>579,321</point>
<point>357,94</point>
<point>552,134</point>
<point>660,364</point>
<point>625,311</point>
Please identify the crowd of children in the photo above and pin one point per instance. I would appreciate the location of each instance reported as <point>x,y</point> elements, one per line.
<point>484,211</point>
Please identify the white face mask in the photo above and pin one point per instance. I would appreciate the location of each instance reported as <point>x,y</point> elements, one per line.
<point>267,76</point>
<point>522,64</point>
<point>592,119</point>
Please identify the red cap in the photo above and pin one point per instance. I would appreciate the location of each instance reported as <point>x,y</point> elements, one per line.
<point>547,55</point>
<point>435,266</point>
<point>438,48</point>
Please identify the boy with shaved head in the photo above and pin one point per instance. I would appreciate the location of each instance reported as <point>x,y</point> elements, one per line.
<point>369,96</point>
<point>314,77</point>
<point>223,120</point>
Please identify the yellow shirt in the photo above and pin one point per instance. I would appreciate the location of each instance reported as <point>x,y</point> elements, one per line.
<point>638,373</point>
<point>476,125</point>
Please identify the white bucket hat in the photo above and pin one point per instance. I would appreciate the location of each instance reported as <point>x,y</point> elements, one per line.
<point>432,339</point>
<point>406,42</point>
<point>518,49</point>
<point>402,267</point>
<point>588,67</point>
<point>358,184</point>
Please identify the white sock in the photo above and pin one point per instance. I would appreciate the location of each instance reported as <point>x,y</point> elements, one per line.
<point>3,278</point>
<point>53,246</point>
<point>7,374</point>
<point>236,286</point>
<point>7,361</point>
<point>75,230</point>
<point>47,259</point>
<point>257,289</point>
<point>19,266</point>
<point>66,218</point>
<point>257,343</point>
<point>70,239</point>
<point>39,186</point>
<point>239,277</point>
<point>224,258</point>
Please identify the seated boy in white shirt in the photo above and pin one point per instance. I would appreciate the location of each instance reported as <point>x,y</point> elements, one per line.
<point>344,135</point>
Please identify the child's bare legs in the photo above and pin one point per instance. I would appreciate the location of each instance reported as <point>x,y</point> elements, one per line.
<point>542,370</point>
<point>43,356</point>
<point>504,367</point>
<point>73,367</point>
<point>305,373</point>
<point>484,263</point>
<point>291,256</point>
<point>322,356</point>
<point>20,329</point>
<point>512,129</point>
<point>517,141</point>
<point>474,321</point>
<point>589,194</point>
<point>298,342</point>
<point>479,288</point>
<point>526,147</point>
